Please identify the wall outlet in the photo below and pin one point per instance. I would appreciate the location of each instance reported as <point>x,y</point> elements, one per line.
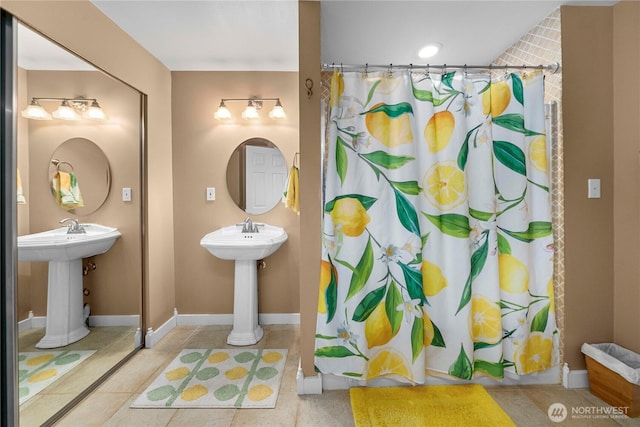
<point>594,188</point>
<point>211,194</point>
<point>126,194</point>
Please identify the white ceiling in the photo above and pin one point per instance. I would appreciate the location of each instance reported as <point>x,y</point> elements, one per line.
<point>262,35</point>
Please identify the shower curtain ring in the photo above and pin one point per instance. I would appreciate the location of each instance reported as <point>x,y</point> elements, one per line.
<point>465,71</point>
<point>341,69</point>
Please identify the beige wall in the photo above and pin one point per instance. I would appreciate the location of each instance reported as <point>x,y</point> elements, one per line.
<point>626,176</point>
<point>116,284</point>
<point>202,147</point>
<point>105,45</point>
<point>310,175</point>
<point>587,102</point>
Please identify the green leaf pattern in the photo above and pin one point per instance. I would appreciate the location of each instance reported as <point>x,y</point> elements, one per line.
<point>410,218</point>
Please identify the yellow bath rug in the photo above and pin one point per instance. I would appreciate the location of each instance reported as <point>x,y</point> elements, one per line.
<point>437,405</point>
<point>38,369</point>
<point>217,378</point>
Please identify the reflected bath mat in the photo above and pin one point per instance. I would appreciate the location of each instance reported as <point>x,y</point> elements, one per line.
<point>434,405</point>
<point>38,369</point>
<point>217,378</point>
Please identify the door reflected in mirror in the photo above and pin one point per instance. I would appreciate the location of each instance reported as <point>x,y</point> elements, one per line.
<point>256,176</point>
<point>100,155</point>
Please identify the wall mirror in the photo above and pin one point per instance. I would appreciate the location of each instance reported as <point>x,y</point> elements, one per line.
<point>256,175</point>
<point>89,165</point>
<point>103,155</point>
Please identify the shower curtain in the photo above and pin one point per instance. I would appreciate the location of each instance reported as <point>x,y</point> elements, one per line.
<point>437,242</point>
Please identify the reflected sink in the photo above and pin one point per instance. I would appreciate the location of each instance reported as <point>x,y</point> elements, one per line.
<point>64,253</point>
<point>57,245</point>
<point>245,248</point>
<point>231,243</point>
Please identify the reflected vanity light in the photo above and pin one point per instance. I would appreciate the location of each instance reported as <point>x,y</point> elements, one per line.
<point>69,109</point>
<point>251,111</point>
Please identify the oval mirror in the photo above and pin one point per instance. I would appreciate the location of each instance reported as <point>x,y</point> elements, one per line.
<point>256,175</point>
<point>81,168</point>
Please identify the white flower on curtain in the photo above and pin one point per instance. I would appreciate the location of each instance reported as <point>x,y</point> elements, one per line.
<point>436,233</point>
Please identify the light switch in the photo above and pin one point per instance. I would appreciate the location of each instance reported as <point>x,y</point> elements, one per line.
<point>594,188</point>
<point>126,194</point>
<point>211,194</point>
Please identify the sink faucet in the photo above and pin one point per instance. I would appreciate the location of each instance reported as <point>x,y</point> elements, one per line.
<point>248,227</point>
<point>74,226</point>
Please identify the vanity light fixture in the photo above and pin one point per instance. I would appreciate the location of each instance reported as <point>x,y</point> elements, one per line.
<point>251,111</point>
<point>69,109</point>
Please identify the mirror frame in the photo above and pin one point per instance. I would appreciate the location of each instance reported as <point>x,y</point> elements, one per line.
<point>8,226</point>
<point>9,401</point>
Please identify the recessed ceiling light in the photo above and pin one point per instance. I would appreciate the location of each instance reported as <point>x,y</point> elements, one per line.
<point>430,50</point>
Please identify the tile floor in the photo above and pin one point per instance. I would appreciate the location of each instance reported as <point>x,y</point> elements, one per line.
<point>109,404</point>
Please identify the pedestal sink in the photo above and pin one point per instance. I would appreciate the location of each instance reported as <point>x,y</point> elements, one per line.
<point>64,252</point>
<point>245,244</point>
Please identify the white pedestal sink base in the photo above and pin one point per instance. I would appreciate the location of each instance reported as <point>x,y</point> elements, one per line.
<point>246,330</point>
<point>65,317</point>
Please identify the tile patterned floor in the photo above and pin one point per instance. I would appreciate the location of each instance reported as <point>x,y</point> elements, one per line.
<point>109,404</point>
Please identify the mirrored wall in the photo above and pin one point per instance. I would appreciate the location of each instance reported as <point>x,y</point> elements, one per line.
<point>86,171</point>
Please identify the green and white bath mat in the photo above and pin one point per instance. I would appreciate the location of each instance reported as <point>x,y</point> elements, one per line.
<point>217,378</point>
<point>38,369</point>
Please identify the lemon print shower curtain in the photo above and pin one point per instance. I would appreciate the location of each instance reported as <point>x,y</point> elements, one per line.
<point>437,239</point>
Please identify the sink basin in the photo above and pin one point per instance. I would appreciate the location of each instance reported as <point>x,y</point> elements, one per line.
<point>231,243</point>
<point>57,245</point>
<point>245,249</point>
<point>64,253</point>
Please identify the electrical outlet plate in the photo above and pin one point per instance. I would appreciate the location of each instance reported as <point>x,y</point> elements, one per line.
<point>211,194</point>
<point>126,194</point>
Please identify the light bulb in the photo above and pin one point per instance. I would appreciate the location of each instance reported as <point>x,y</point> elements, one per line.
<point>250,113</point>
<point>430,50</point>
<point>277,112</point>
<point>64,112</point>
<point>35,112</point>
<point>94,112</point>
<point>223,112</point>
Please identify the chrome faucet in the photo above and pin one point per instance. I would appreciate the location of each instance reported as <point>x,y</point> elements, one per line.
<point>74,226</point>
<point>248,227</point>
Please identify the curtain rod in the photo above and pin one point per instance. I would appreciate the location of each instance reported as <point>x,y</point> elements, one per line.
<point>553,67</point>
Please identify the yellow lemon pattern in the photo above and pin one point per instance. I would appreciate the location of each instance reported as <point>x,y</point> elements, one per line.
<point>437,238</point>
<point>377,327</point>
<point>438,130</point>
<point>390,131</point>
<point>496,99</point>
<point>325,280</point>
<point>218,378</point>
<point>349,216</point>
<point>486,322</point>
<point>444,186</point>
<point>538,153</point>
<point>514,275</point>
<point>534,355</point>
<point>433,281</point>
<point>388,362</point>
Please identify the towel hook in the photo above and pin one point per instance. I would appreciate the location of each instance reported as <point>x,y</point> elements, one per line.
<point>309,85</point>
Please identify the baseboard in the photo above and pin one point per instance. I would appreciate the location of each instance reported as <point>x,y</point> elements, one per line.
<point>153,337</point>
<point>578,378</point>
<point>119,320</point>
<point>308,385</point>
<point>227,319</point>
